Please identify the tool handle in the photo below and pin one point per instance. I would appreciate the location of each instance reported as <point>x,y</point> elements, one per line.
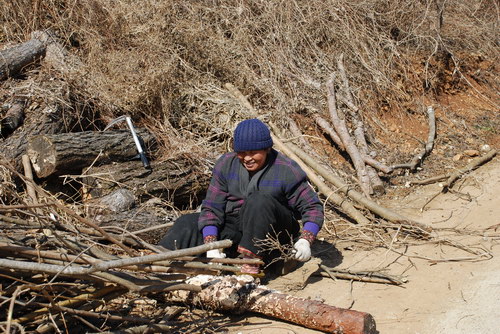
<point>145,161</point>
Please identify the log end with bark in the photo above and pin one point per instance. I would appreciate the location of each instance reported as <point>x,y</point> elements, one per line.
<point>71,152</point>
<point>238,294</point>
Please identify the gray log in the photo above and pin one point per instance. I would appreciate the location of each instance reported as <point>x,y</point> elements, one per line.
<point>13,60</point>
<point>67,153</point>
<point>13,118</point>
<point>14,146</point>
<point>181,181</point>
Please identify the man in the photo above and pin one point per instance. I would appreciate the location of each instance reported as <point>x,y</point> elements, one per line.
<point>255,192</point>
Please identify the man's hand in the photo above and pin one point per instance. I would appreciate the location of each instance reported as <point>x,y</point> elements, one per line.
<point>302,250</point>
<point>216,254</point>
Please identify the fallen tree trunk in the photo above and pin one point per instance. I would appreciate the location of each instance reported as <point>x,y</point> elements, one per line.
<point>71,152</point>
<point>13,60</point>
<point>239,294</point>
<point>177,180</point>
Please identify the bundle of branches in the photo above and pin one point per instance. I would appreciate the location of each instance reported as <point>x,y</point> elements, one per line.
<point>56,263</point>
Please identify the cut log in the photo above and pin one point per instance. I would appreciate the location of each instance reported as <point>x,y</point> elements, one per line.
<point>178,180</point>
<point>14,146</point>
<point>241,294</point>
<point>50,118</point>
<point>67,153</point>
<point>136,219</point>
<point>13,60</point>
<point>13,118</point>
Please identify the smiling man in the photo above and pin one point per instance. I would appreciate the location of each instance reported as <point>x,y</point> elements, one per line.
<point>255,192</point>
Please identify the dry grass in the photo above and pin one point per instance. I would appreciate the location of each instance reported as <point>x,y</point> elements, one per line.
<point>166,62</point>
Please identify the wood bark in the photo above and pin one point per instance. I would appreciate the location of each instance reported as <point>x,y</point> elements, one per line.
<point>241,294</point>
<point>71,152</point>
<point>15,59</point>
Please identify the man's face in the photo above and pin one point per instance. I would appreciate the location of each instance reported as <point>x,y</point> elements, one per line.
<point>253,161</point>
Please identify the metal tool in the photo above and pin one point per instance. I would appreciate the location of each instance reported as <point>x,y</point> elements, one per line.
<point>137,141</point>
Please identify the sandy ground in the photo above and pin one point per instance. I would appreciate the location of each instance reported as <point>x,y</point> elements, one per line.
<point>448,290</point>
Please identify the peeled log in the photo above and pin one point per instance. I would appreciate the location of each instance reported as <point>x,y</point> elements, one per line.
<point>240,293</point>
<point>66,153</point>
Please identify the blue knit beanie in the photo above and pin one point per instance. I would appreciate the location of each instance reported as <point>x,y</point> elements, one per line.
<point>251,135</point>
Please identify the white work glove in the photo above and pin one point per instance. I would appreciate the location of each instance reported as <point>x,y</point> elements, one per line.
<point>302,250</point>
<point>216,254</point>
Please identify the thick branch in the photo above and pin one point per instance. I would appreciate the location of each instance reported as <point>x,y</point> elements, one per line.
<point>469,167</point>
<point>330,194</point>
<point>106,265</point>
<point>325,126</point>
<point>350,147</point>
